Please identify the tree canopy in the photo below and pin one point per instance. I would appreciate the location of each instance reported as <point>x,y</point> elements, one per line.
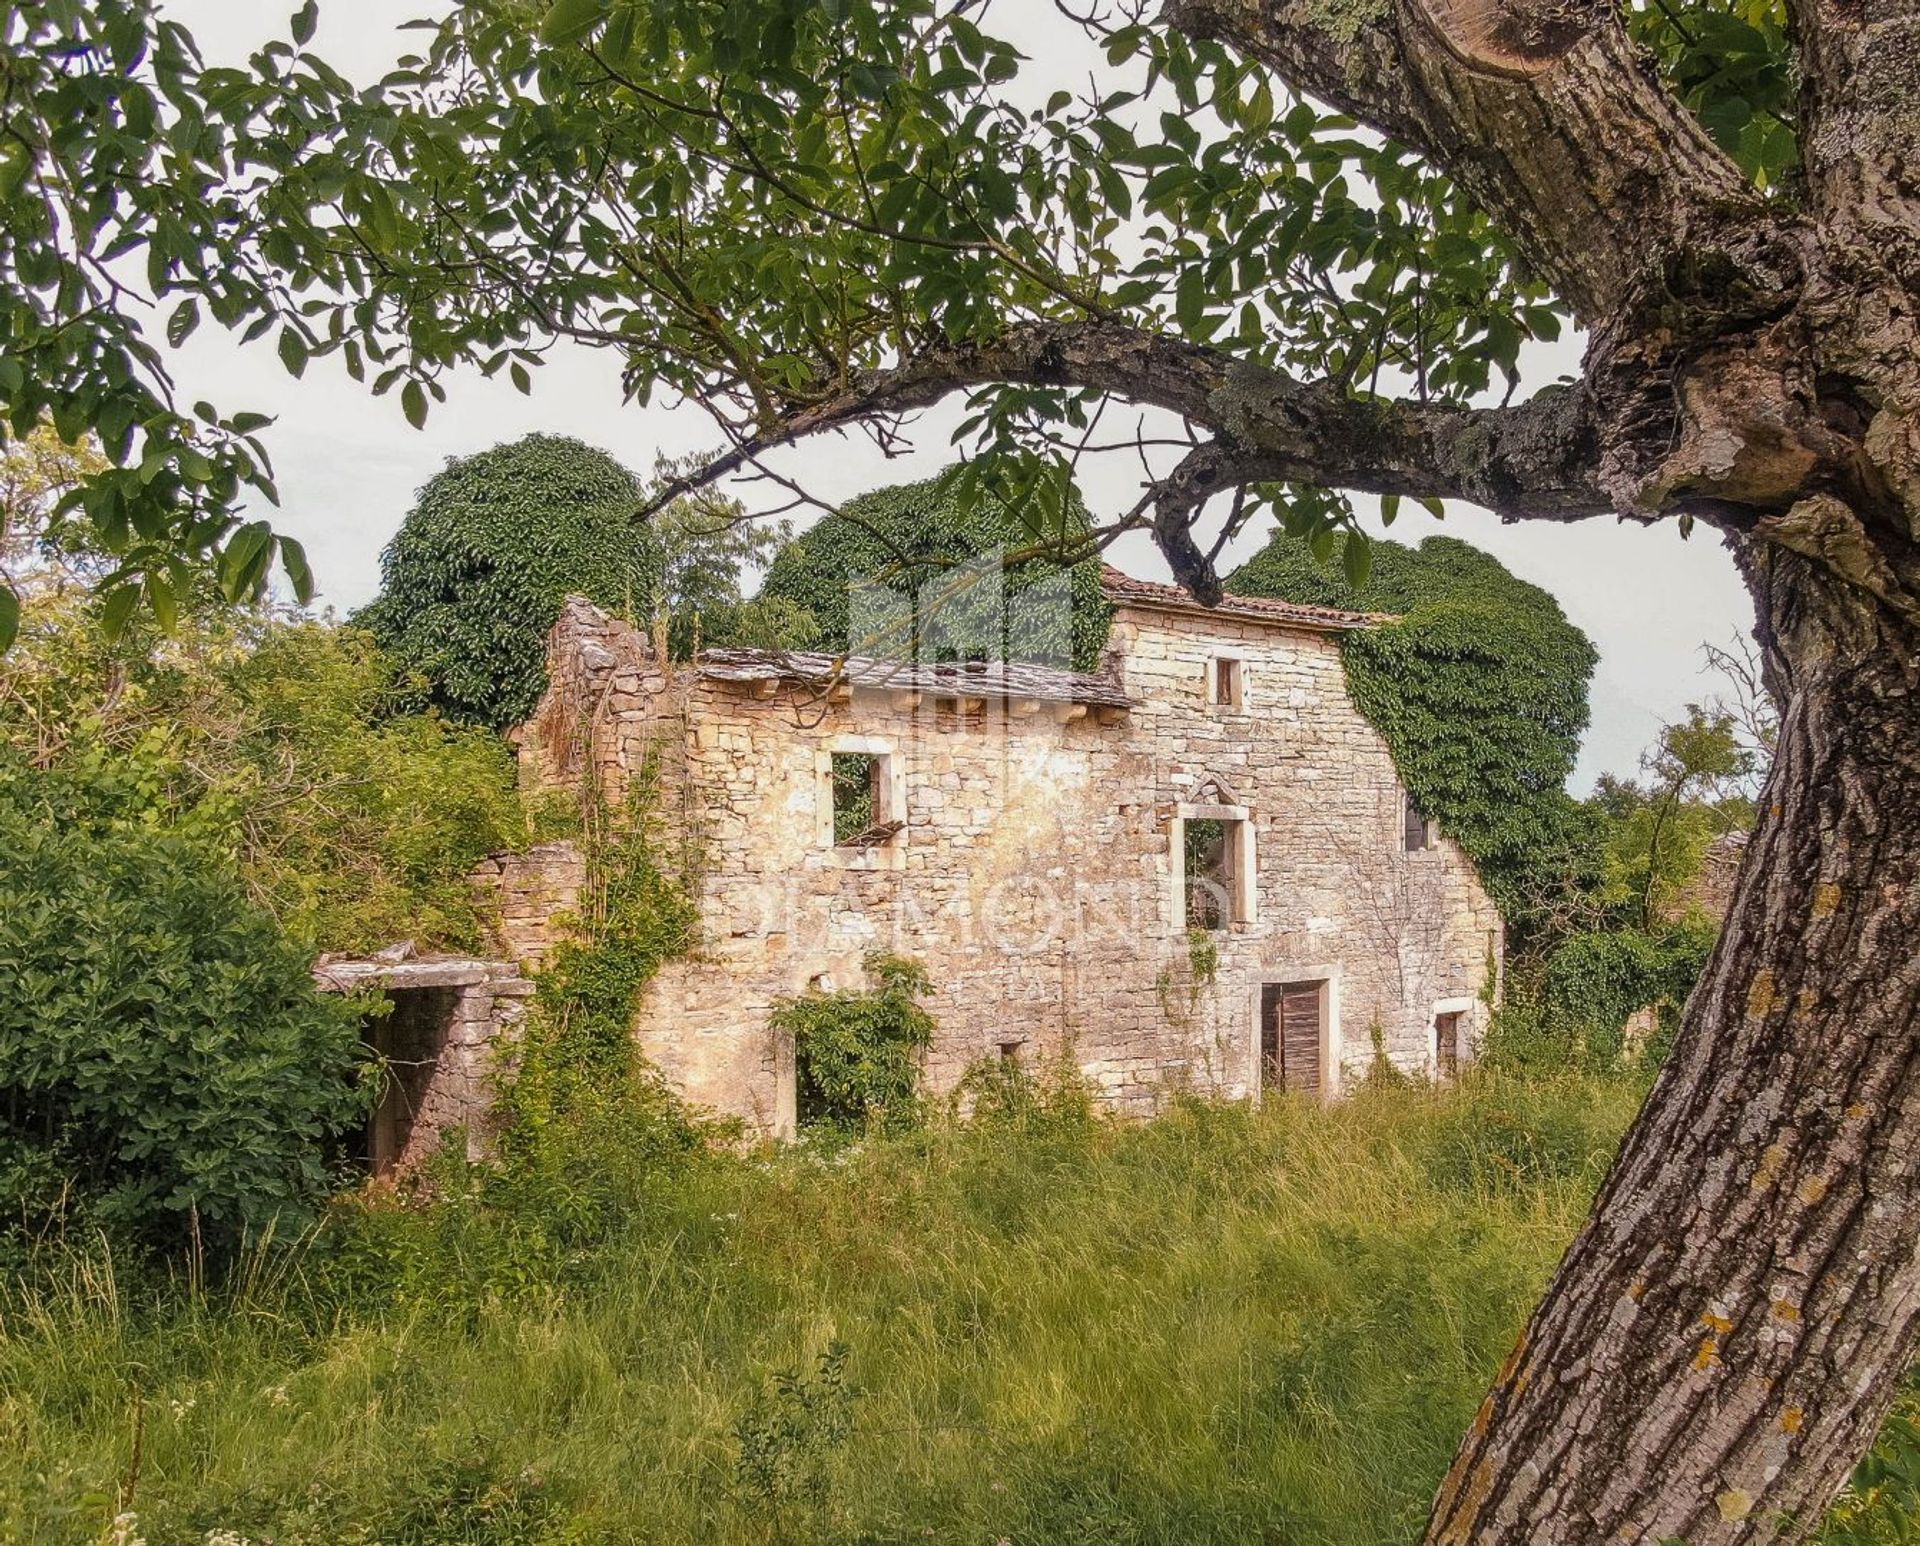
<point>918,571</point>
<point>1479,687</point>
<point>493,546</point>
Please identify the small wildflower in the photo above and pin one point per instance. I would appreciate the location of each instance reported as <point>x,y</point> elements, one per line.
<point>227,1538</point>
<point>125,1531</point>
<point>276,1395</point>
<point>180,1406</point>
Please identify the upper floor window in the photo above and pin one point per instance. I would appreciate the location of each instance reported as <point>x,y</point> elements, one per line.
<point>856,796</point>
<point>1421,833</point>
<point>861,801</point>
<point>1226,682</point>
<point>1213,854</point>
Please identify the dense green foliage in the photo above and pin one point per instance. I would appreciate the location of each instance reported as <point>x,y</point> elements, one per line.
<point>857,1051</point>
<point>916,572</point>
<point>1480,689</point>
<point>278,742</point>
<point>497,541</point>
<point>1571,1008</point>
<point>583,1112</point>
<point>1657,830</point>
<point>166,1064</point>
<point>844,184</point>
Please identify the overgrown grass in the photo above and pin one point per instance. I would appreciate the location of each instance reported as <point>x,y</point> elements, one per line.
<point>1227,1325</point>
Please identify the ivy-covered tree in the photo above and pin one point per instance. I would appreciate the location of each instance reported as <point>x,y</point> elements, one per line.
<point>924,571</point>
<point>1304,237</point>
<point>1480,689</point>
<point>482,564</point>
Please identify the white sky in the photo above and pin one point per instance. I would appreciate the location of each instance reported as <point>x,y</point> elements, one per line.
<point>348,464</point>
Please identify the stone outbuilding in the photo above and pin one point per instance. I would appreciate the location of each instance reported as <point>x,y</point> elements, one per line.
<point>1194,869</point>
<point>443,1021</point>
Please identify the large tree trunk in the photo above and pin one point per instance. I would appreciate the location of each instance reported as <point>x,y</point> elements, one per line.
<point>1729,1329</point>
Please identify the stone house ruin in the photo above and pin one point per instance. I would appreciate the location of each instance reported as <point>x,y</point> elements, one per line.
<point>1194,869</point>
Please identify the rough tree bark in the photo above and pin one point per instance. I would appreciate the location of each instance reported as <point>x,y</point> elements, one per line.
<point>1723,1339</point>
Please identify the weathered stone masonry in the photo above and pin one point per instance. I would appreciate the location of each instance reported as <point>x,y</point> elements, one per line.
<point>1037,867</point>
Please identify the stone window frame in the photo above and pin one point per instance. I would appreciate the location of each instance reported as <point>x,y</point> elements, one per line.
<point>1238,660</point>
<point>890,797</point>
<point>1431,827</point>
<point>1244,903</point>
<point>1332,1070</point>
<point>1463,1006</point>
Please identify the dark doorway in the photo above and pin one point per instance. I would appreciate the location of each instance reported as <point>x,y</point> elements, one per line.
<point>1290,1036</point>
<point>1446,1043</point>
<point>409,1039</point>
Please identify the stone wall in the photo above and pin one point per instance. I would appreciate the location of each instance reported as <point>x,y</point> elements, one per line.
<point>1035,874</point>
<point>531,896</point>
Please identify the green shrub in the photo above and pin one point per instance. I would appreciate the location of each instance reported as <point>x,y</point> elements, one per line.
<point>1480,691</point>
<point>857,1051</point>
<point>1572,1007</point>
<point>165,1061</point>
<point>909,542</point>
<point>479,569</point>
<point>278,742</point>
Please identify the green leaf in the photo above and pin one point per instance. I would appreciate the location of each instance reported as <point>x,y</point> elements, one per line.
<point>1356,559</point>
<point>569,21</point>
<point>9,618</point>
<point>293,559</point>
<point>165,604</point>
<point>1190,297</point>
<point>304,21</point>
<point>293,351</point>
<point>116,609</point>
<point>185,318</point>
<point>413,402</point>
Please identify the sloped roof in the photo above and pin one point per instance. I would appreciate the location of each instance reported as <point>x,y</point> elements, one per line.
<point>961,679</point>
<point>1125,590</point>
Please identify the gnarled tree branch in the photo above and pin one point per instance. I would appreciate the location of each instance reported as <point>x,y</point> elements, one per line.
<point>1859,136</point>
<point>1530,461</point>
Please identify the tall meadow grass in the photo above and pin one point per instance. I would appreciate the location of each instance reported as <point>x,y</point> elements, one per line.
<point>1226,1325</point>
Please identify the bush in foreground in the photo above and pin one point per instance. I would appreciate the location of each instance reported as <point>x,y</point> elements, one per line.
<point>166,1065</point>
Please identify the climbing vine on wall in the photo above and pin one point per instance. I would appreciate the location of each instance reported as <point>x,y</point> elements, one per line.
<point>1480,691</point>
<point>915,545</point>
<point>580,1102</point>
<point>857,1051</point>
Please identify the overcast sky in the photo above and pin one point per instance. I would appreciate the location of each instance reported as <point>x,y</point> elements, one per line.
<point>348,464</point>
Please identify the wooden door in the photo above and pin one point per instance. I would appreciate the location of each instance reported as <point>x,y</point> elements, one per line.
<point>1290,1036</point>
